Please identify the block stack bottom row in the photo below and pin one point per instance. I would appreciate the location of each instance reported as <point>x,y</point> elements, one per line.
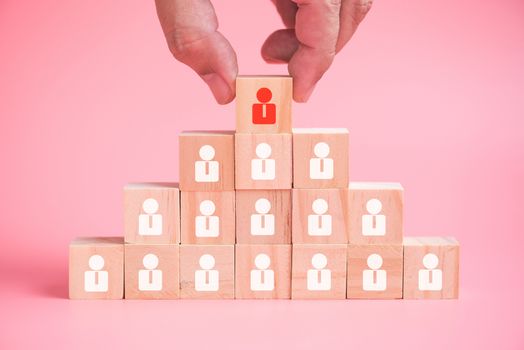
<point>267,212</point>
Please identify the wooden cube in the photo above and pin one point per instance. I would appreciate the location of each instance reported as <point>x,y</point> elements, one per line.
<point>208,217</point>
<point>320,216</point>
<point>374,272</point>
<point>152,271</point>
<point>263,217</point>
<point>264,104</point>
<point>152,213</point>
<point>319,271</point>
<point>96,268</point>
<point>207,271</point>
<point>431,268</point>
<point>263,271</point>
<point>206,161</point>
<point>320,158</point>
<point>263,161</point>
<point>375,213</point>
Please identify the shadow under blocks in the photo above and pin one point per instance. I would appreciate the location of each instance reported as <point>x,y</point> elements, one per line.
<point>265,211</point>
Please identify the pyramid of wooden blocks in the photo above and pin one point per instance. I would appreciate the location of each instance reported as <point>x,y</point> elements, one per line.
<point>264,212</point>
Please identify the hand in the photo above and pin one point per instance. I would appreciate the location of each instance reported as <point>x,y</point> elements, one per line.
<point>316,31</point>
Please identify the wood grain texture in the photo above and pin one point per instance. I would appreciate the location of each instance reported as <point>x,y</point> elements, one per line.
<point>167,197</point>
<point>280,264</point>
<point>111,249</point>
<point>190,144</point>
<point>281,88</point>
<point>304,215</point>
<point>224,264</point>
<point>304,142</point>
<point>392,264</point>
<point>447,249</point>
<point>224,203</point>
<point>303,254</point>
<point>391,197</point>
<point>280,155</point>
<point>280,202</point>
<point>168,264</point>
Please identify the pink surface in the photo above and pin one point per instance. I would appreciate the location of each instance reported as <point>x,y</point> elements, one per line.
<point>90,99</point>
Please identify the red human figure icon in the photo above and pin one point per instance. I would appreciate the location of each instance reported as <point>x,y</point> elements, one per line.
<point>264,112</point>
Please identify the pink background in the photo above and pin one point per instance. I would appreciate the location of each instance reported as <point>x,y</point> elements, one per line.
<point>90,99</point>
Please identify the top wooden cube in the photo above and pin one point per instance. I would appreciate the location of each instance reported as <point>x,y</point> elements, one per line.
<point>375,213</point>
<point>264,104</point>
<point>207,161</point>
<point>320,158</point>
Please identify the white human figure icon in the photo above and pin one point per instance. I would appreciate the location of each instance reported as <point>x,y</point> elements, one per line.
<point>206,169</point>
<point>374,279</point>
<point>319,223</point>
<point>206,279</point>
<point>321,167</point>
<point>96,280</point>
<point>150,279</point>
<point>207,224</point>
<point>150,223</point>
<point>263,167</point>
<point>319,278</point>
<point>430,278</point>
<point>262,223</point>
<point>262,278</point>
<point>373,224</point>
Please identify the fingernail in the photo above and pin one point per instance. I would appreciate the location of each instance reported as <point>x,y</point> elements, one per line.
<point>220,89</point>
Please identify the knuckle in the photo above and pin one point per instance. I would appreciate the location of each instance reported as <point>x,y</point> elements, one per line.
<point>358,9</point>
<point>363,7</point>
<point>334,3</point>
<point>183,42</point>
<point>331,6</point>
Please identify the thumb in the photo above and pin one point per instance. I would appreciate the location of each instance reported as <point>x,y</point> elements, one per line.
<point>191,30</point>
